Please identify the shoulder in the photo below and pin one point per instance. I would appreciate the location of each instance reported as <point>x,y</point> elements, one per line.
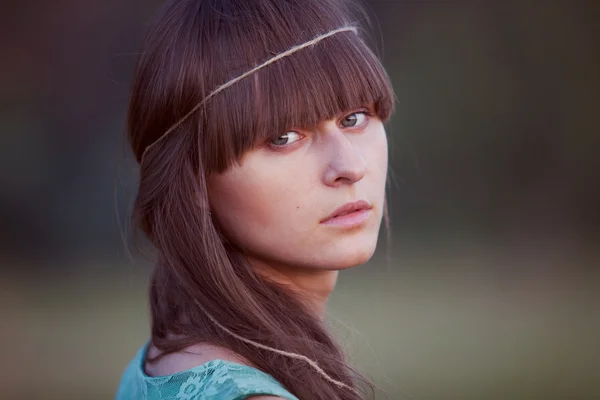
<point>190,357</point>
<point>212,372</point>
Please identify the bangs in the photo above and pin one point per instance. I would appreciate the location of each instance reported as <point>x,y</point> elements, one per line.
<point>338,74</point>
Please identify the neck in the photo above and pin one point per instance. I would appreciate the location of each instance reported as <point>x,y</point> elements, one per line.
<point>313,285</point>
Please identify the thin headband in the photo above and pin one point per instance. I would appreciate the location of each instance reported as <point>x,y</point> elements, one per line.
<point>225,85</point>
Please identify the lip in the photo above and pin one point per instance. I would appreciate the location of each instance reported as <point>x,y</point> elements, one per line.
<point>350,214</point>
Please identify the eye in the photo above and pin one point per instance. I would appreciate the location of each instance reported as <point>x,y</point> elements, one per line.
<point>354,119</point>
<point>286,139</point>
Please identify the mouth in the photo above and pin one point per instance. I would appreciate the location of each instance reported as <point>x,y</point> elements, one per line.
<point>349,215</point>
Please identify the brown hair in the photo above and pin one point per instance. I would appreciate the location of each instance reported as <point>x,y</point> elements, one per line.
<point>202,288</point>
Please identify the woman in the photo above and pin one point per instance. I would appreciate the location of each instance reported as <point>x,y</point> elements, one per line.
<point>258,126</point>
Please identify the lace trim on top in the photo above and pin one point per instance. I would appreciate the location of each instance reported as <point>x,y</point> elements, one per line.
<point>216,379</point>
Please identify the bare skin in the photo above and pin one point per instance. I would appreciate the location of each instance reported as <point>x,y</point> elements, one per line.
<point>272,204</point>
<point>275,204</point>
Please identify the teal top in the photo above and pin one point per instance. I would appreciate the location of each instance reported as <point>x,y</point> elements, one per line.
<point>214,380</point>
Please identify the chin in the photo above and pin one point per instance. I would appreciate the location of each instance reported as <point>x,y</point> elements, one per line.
<point>353,257</point>
<point>351,249</point>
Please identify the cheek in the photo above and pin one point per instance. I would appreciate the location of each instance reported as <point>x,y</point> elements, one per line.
<point>376,155</point>
<point>381,148</point>
<point>252,203</point>
<point>236,202</point>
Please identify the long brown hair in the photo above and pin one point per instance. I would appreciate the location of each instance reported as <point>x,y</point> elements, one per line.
<point>202,288</point>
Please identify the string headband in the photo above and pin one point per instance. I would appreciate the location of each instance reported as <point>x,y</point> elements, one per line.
<point>233,81</point>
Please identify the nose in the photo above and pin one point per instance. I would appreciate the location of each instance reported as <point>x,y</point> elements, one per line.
<point>346,164</point>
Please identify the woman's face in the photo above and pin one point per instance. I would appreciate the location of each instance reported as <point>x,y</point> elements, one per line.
<point>277,204</point>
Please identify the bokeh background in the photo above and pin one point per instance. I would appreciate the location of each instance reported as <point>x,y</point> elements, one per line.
<point>488,286</point>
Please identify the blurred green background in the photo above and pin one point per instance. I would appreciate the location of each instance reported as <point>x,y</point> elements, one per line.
<point>489,284</point>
